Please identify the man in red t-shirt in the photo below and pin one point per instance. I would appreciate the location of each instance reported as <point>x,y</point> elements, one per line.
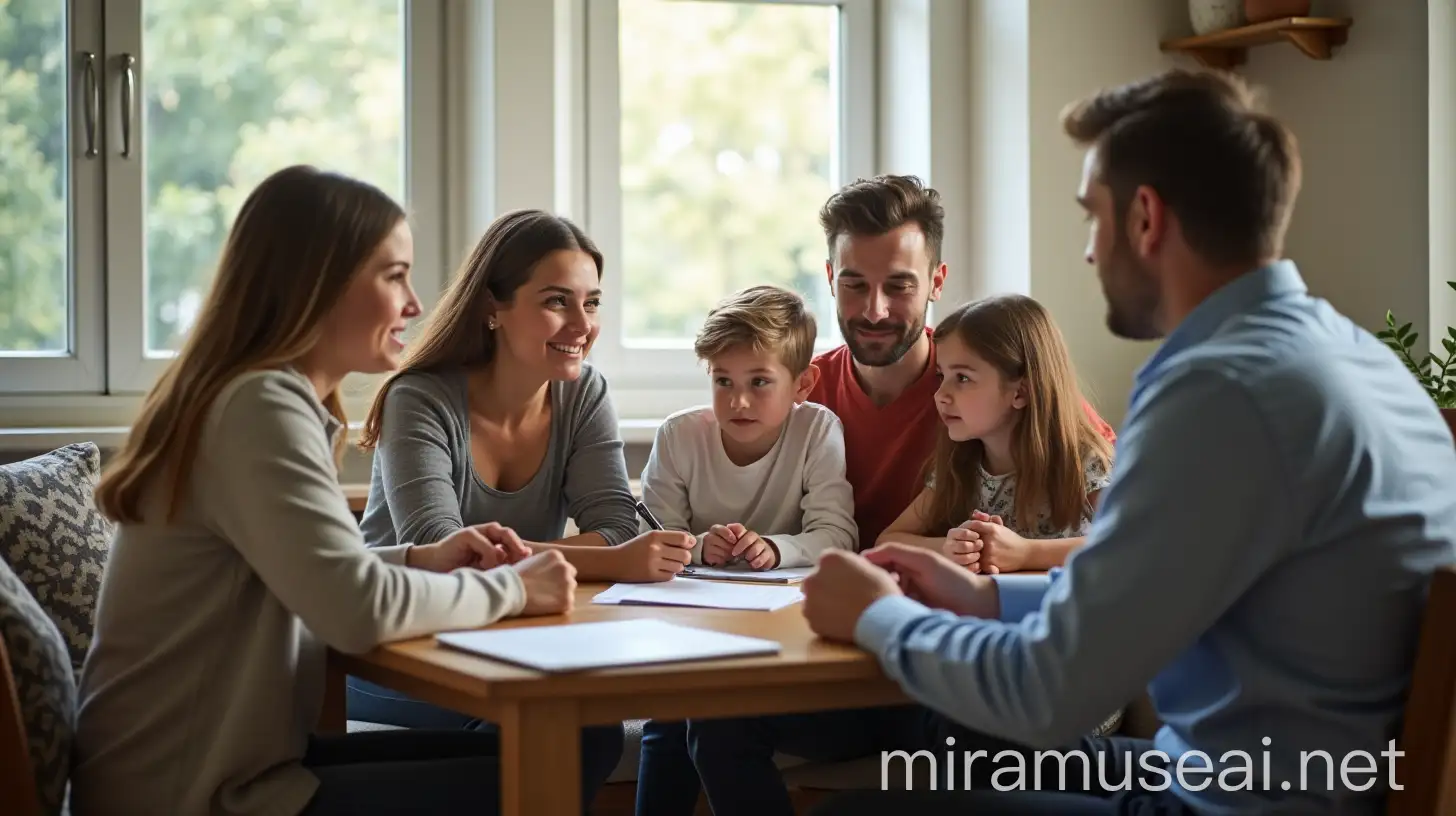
<point>884,266</point>
<point>884,269</point>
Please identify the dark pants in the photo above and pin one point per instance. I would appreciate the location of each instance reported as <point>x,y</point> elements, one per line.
<point>1118,786</point>
<point>601,746</point>
<point>735,756</point>
<point>382,773</point>
<point>667,781</point>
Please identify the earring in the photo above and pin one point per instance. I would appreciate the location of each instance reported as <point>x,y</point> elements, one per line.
<point>490,323</point>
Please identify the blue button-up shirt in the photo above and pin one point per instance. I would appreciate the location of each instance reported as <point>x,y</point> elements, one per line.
<point>1282,491</point>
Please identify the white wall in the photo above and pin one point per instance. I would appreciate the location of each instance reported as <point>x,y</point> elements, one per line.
<point>1362,229</point>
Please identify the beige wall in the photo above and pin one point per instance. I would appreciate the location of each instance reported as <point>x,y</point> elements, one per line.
<point>1361,232</point>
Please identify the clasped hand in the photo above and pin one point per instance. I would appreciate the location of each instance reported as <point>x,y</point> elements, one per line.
<point>844,585</point>
<point>548,578</point>
<point>985,544</point>
<point>725,542</point>
<point>479,546</point>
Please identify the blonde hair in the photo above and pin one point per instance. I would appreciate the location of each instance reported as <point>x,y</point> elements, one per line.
<point>768,320</point>
<point>1054,439</point>
<point>293,249</point>
<point>455,333</point>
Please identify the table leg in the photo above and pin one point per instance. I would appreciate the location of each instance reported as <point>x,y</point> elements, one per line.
<point>541,758</point>
<point>334,718</point>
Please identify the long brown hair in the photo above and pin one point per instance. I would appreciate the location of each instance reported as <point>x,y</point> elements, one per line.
<point>455,333</point>
<point>298,241</point>
<point>1053,439</point>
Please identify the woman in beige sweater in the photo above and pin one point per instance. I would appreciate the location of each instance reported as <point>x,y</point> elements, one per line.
<point>236,561</point>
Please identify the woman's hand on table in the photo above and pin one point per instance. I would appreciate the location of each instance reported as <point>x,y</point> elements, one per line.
<point>657,555</point>
<point>479,546</point>
<point>550,582</point>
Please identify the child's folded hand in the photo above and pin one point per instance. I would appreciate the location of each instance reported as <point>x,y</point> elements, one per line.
<point>756,551</point>
<point>963,546</point>
<point>1002,549</point>
<point>718,545</point>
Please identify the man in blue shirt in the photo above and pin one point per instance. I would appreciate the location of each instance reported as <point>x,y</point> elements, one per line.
<point>1282,492</point>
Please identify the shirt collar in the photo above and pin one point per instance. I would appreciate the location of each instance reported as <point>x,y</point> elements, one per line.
<point>1240,295</point>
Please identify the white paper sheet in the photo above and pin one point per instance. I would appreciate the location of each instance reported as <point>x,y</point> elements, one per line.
<point>710,594</point>
<point>605,644</point>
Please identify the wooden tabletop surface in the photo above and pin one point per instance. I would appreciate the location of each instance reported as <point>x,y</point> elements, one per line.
<point>804,657</point>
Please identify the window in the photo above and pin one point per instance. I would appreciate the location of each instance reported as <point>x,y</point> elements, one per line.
<point>49,237</point>
<point>716,131</point>
<point>132,135</point>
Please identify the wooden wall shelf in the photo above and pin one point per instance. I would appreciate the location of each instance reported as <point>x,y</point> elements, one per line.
<point>1313,36</point>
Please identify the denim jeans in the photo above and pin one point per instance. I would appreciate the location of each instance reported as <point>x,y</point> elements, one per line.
<point>404,773</point>
<point>735,756</point>
<point>1121,758</point>
<point>601,746</point>
<point>667,781</point>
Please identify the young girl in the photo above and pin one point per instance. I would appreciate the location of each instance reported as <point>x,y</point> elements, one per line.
<point>1014,480</point>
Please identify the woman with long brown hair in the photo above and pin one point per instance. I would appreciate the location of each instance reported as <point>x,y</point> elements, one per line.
<point>236,561</point>
<point>495,415</point>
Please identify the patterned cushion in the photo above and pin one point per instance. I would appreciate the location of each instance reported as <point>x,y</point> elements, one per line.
<point>55,539</point>
<point>41,669</point>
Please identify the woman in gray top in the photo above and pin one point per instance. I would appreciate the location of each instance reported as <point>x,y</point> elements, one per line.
<point>496,416</point>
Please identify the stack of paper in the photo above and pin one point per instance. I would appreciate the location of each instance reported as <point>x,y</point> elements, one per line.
<point>711,594</point>
<point>581,646</point>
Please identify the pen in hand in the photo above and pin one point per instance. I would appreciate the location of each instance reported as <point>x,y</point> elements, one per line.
<point>652,522</point>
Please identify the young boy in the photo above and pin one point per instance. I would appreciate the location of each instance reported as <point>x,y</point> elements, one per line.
<point>758,477</point>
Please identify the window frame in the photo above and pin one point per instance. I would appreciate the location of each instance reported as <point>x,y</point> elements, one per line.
<point>107,369</point>
<point>80,368</point>
<point>654,382</point>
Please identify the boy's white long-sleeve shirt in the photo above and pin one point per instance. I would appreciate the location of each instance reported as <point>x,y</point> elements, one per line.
<point>797,494</point>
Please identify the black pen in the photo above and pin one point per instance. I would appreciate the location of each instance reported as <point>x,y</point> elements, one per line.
<point>652,522</point>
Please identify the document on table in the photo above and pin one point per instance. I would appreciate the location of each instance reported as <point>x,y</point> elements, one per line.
<point>605,644</point>
<point>787,575</point>
<point>709,594</point>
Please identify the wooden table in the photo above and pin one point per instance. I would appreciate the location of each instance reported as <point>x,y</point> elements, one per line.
<point>540,715</point>
<point>358,496</point>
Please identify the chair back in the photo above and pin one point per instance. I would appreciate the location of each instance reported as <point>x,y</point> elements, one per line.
<point>1425,772</point>
<point>37,704</point>
<point>17,776</point>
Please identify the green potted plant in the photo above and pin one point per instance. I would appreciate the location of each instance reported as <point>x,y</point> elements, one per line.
<point>1436,374</point>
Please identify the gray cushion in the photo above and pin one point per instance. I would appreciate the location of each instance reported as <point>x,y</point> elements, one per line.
<point>45,685</point>
<point>55,539</point>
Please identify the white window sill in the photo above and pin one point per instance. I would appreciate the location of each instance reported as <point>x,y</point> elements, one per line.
<point>42,439</point>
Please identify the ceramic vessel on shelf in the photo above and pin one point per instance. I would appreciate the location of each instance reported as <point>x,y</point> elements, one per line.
<point>1208,16</point>
<point>1262,11</point>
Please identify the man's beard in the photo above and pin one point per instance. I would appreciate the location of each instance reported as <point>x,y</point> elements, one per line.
<point>887,355</point>
<point>1132,294</point>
